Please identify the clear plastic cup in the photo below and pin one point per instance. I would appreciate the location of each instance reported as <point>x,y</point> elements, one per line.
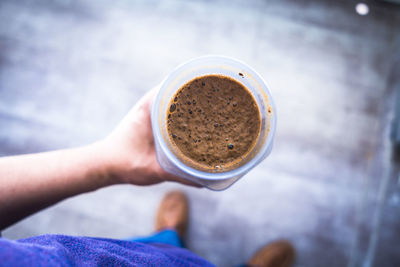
<point>199,67</point>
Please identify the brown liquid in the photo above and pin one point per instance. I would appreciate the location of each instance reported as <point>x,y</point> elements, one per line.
<point>213,121</point>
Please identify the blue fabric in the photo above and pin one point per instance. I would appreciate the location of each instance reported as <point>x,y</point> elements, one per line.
<point>167,236</point>
<point>61,250</point>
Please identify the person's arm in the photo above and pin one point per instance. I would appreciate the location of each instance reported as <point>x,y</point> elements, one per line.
<point>29,183</point>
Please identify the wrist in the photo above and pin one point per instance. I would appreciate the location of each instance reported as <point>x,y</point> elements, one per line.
<point>114,163</point>
<point>101,169</point>
<point>128,162</point>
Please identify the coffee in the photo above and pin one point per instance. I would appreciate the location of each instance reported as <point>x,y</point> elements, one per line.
<point>213,122</point>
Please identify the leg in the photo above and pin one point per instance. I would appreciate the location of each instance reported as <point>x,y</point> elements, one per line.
<point>171,221</point>
<point>167,236</point>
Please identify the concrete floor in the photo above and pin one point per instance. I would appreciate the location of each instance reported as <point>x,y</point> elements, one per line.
<point>70,70</point>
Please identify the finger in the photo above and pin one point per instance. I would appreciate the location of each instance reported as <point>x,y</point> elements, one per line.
<point>144,102</point>
<point>149,96</point>
<point>182,181</point>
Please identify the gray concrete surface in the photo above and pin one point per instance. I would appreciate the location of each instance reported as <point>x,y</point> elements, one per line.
<point>70,70</point>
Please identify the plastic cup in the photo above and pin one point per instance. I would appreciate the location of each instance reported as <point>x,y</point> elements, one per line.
<point>199,67</point>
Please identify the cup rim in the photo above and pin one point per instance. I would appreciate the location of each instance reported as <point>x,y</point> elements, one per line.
<point>241,170</point>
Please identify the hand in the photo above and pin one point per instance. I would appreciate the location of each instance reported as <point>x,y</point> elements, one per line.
<point>29,183</point>
<point>131,149</point>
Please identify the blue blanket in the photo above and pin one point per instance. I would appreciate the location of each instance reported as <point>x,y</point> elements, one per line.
<point>61,250</point>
